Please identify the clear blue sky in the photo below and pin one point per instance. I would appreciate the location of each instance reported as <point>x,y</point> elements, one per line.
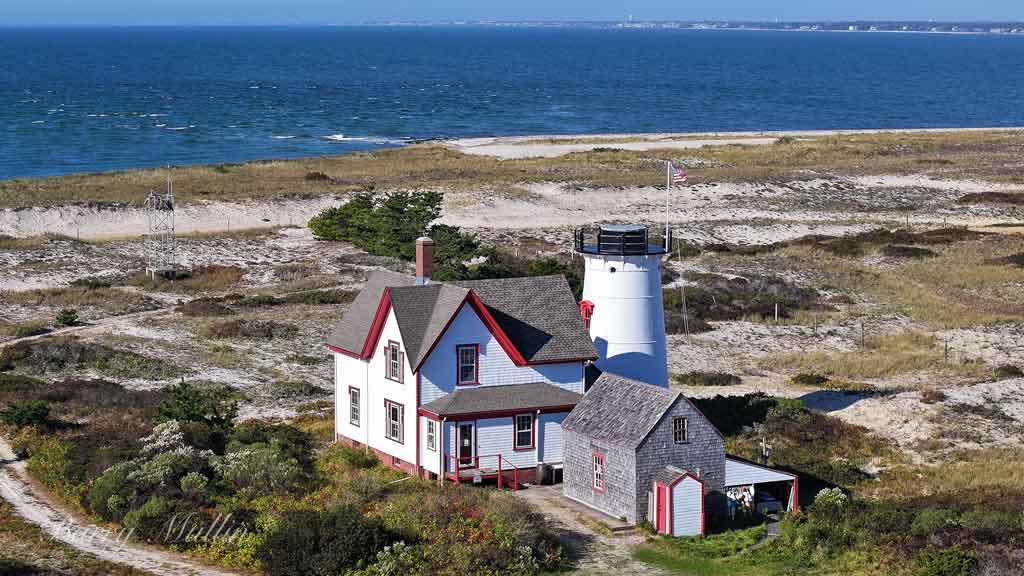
<point>98,12</point>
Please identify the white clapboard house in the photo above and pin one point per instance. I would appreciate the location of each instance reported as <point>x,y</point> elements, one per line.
<point>462,380</point>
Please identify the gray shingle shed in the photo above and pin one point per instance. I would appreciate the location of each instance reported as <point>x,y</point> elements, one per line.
<point>622,434</point>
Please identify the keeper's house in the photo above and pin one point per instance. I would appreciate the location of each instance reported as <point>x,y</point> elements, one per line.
<point>463,380</point>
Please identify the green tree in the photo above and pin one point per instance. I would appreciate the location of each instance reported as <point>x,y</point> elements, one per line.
<point>28,413</point>
<point>187,404</point>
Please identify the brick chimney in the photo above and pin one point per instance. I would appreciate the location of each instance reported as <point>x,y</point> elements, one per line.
<point>424,259</point>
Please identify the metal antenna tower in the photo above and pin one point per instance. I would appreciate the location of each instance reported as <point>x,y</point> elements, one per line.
<point>160,242</point>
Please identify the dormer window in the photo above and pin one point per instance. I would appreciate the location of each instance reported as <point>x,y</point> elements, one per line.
<point>393,358</point>
<point>468,364</point>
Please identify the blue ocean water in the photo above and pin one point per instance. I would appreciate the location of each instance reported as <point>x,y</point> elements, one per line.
<point>74,100</point>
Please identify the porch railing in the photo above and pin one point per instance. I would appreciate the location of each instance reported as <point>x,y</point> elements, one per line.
<point>502,466</point>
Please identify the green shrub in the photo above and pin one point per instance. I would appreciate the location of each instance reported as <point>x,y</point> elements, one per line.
<point>109,494</point>
<point>204,308</point>
<point>27,413</point>
<point>356,458</point>
<point>931,520</point>
<point>194,485</point>
<point>189,404</point>
<point>322,543</point>
<point>150,522</point>
<point>260,469</point>
<point>255,329</point>
<point>67,317</point>
<point>952,561</point>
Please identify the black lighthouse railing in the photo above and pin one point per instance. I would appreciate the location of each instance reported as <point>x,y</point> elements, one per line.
<point>616,239</point>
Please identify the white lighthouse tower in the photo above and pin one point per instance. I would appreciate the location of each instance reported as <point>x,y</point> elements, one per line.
<point>622,299</point>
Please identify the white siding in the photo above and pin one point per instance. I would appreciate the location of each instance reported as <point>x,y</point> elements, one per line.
<point>349,372</point>
<point>438,373</point>
<point>368,376</point>
<point>686,507</point>
<point>549,441</point>
<point>431,459</point>
<point>739,473</point>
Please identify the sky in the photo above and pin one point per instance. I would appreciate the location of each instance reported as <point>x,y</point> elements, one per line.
<point>162,12</point>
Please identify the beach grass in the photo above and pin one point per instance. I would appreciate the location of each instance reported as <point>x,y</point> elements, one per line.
<point>991,155</point>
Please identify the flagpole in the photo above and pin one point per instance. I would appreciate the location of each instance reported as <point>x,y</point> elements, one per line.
<point>668,184</point>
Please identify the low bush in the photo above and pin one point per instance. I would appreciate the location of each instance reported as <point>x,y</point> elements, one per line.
<point>1007,371</point>
<point>186,403</point>
<point>67,317</point>
<point>27,413</point>
<point>25,329</point>
<point>931,395</point>
<point>68,353</point>
<point>809,379</point>
<point>204,308</point>
<point>898,251</point>
<point>209,278</point>
<point>323,543</point>
<point>151,521</point>
<point>719,298</point>
<point>356,458</point>
<point>254,329</point>
<point>706,379</point>
<point>952,561</point>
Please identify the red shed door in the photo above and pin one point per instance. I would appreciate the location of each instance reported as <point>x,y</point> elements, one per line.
<point>660,499</point>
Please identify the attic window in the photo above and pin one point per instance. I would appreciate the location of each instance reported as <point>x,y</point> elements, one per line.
<point>680,430</point>
<point>393,358</point>
<point>468,359</point>
<point>598,460</point>
<point>586,312</point>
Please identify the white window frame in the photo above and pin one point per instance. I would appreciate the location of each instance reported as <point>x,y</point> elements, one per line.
<point>473,351</point>
<point>394,429</point>
<point>431,435</point>
<point>598,471</point>
<point>354,399</point>
<point>393,362</point>
<point>516,431</point>
<point>684,428</point>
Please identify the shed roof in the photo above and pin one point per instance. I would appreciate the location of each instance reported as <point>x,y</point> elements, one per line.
<point>740,472</point>
<point>619,410</point>
<point>507,398</point>
<point>669,474</point>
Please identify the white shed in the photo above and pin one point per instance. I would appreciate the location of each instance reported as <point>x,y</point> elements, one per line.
<point>678,503</point>
<point>743,477</point>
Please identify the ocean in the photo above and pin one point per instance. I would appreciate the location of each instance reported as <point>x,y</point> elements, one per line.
<point>99,99</point>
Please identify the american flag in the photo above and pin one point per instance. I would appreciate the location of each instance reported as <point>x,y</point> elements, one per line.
<point>679,175</point>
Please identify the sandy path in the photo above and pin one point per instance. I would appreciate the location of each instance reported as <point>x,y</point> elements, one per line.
<point>511,147</point>
<point>34,506</point>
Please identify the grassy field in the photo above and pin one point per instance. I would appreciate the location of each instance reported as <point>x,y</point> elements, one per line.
<point>992,156</point>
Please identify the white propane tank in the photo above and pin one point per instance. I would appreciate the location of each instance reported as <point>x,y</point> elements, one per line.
<point>623,286</point>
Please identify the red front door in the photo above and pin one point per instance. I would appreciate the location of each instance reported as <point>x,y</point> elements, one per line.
<point>660,497</point>
<point>466,446</point>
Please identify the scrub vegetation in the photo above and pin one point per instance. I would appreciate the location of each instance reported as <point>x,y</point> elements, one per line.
<point>168,465</point>
<point>978,155</point>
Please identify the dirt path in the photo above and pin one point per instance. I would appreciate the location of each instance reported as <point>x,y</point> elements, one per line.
<point>599,553</point>
<point>33,505</point>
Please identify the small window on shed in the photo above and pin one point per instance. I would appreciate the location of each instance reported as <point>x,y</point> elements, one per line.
<point>680,432</point>
<point>599,472</point>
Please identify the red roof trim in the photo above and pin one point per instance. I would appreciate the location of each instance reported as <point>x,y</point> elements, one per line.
<point>341,351</point>
<point>497,413</point>
<point>373,336</point>
<point>495,329</point>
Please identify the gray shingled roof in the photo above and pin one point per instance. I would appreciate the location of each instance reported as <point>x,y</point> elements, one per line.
<point>669,474</point>
<point>539,314</point>
<point>422,313</point>
<point>619,410</point>
<point>511,397</point>
<point>351,332</point>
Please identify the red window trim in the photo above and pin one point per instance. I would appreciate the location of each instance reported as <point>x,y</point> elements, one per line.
<point>476,365</point>
<point>401,421</point>
<point>604,476</point>
<point>401,362</point>
<point>533,432</point>
<point>357,390</point>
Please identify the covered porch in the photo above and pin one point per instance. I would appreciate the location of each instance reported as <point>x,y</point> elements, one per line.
<point>759,489</point>
<point>508,434</point>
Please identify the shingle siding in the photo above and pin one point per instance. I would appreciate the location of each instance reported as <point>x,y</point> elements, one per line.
<point>704,453</point>
<point>618,499</point>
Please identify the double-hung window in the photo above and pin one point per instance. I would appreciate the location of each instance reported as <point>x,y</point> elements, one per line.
<point>353,406</point>
<point>680,432</point>
<point>393,357</point>
<point>467,358</point>
<point>598,461</point>
<point>394,421</point>
<point>431,435</point>
<point>524,431</point>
